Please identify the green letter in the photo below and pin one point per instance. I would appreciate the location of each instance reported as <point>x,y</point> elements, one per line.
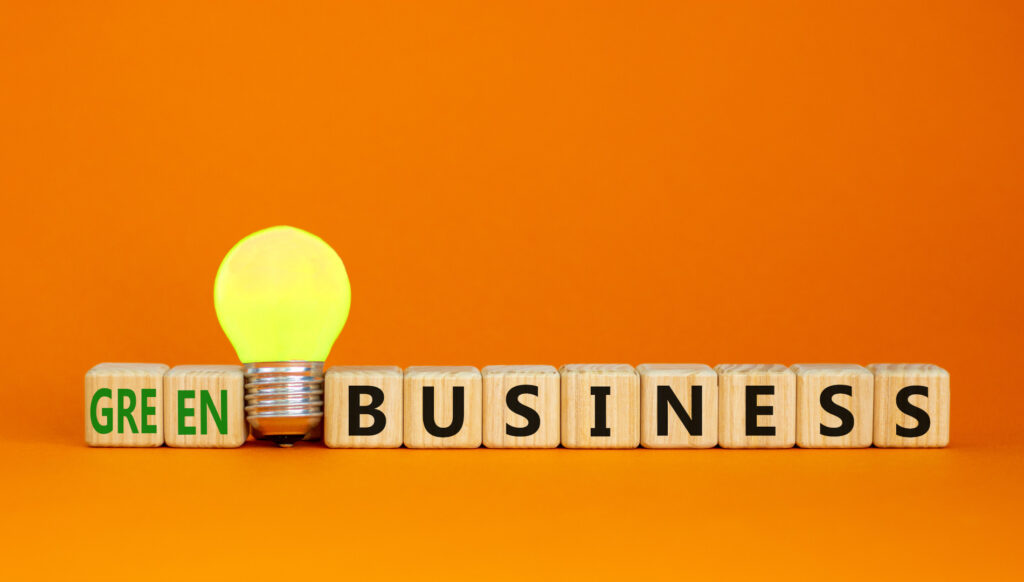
<point>106,412</point>
<point>125,412</point>
<point>148,411</point>
<point>206,404</point>
<point>184,411</point>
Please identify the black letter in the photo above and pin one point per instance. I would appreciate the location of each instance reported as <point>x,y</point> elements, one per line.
<point>600,394</point>
<point>753,411</point>
<point>924,422</point>
<point>829,406</point>
<point>667,397</point>
<point>531,416</point>
<point>458,412</point>
<point>356,410</point>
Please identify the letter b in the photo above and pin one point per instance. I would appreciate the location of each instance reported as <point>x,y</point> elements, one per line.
<point>356,411</point>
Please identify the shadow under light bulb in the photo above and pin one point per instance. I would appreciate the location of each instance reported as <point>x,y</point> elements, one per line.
<point>282,297</point>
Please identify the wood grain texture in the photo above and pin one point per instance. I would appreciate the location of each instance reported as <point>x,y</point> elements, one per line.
<point>114,417</point>
<point>225,428</point>
<point>681,380</point>
<point>580,426</point>
<point>497,381</point>
<point>444,380</point>
<point>734,385</point>
<point>337,384</point>
<point>812,418</point>
<point>890,379</point>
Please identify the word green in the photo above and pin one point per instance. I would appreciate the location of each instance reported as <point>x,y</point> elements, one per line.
<point>125,408</point>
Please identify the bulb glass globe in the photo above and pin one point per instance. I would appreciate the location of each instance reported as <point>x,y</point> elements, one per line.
<point>282,294</point>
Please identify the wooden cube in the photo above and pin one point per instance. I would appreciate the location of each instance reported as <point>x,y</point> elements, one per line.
<point>756,406</point>
<point>442,407</point>
<point>363,407</point>
<point>600,406</point>
<point>124,405</point>
<point>204,407</point>
<point>835,404</point>
<point>521,407</point>
<point>911,405</point>
<point>678,406</point>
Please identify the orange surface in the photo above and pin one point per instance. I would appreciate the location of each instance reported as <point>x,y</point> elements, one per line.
<point>517,183</point>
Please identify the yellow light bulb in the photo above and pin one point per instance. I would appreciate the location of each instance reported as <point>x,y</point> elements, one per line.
<point>282,297</point>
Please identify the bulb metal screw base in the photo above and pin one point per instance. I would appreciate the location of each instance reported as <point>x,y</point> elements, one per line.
<point>284,401</point>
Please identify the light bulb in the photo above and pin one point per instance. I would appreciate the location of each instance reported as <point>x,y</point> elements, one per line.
<point>282,297</point>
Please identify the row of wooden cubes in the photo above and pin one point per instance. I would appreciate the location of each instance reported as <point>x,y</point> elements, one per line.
<point>578,406</point>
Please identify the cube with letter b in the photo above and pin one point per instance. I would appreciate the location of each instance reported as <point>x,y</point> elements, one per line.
<point>124,405</point>
<point>363,407</point>
<point>600,406</point>
<point>204,407</point>
<point>911,405</point>
<point>756,406</point>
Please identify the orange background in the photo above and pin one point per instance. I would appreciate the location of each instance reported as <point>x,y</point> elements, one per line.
<point>517,182</point>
